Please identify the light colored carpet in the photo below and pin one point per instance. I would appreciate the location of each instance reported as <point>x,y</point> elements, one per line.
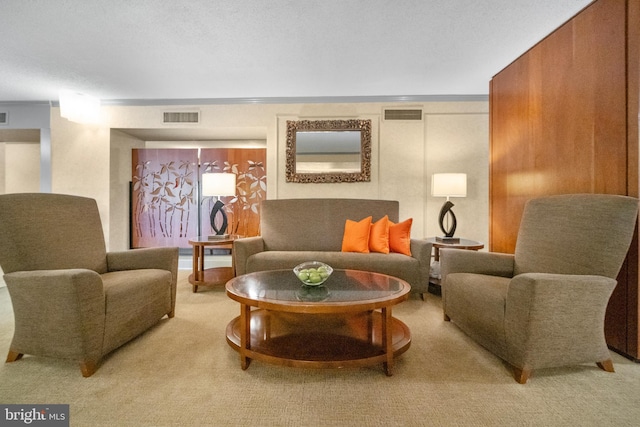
<point>183,373</point>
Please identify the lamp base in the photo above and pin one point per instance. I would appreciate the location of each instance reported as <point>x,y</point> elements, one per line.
<point>450,240</point>
<point>219,236</point>
<point>218,209</point>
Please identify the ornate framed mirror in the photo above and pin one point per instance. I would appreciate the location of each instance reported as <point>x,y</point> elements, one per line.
<point>323,151</point>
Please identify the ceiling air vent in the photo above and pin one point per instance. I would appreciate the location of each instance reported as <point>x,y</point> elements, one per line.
<point>181,117</point>
<point>403,114</point>
<point>4,118</point>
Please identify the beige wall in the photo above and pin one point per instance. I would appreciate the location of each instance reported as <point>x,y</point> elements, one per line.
<point>452,137</point>
<point>19,171</point>
<point>3,167</point>
<point>80,162</point>
<point>19,167</point>
<point>465,150</point>
<point>120,177</point>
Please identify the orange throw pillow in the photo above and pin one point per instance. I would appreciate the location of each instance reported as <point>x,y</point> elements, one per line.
<point>379,238</point>
<point>356,235</point>
<point>400,237</point>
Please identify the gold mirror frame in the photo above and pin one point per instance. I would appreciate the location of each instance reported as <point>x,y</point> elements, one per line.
<point>364,126</point>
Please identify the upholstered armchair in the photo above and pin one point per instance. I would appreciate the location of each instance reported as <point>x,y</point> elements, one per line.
<point>71,299</point>
<point>544,306</point>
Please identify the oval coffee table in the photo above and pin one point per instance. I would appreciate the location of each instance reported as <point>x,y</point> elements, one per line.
<point>346,322</point>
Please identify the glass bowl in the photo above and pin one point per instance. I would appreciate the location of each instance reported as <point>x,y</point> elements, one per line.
<point>312,273</point>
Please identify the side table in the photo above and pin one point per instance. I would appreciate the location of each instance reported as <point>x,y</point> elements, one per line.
<point>210,276</point>
<point>434,282</point>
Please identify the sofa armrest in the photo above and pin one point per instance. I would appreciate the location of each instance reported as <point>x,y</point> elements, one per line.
<point>421,250</point>
<point>546,311</point>
<point>465,261</point>
<point>243,249</point>
<point>58,313</point>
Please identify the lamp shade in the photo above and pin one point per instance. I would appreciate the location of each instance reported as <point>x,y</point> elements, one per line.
<point>218,184</point>
<point>449,185</point>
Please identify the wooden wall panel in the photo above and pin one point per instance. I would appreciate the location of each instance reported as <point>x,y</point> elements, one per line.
<point>564,119</point>
<point>558,117</point>
<point>633,138</point>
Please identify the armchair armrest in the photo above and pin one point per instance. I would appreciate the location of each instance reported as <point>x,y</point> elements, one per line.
<point>58,313</point>
<point>243,249</point>
<point>163,258</point>
<point>549,311</point>
<point>464,261</point>
<point>136,259</point>
<point>421,250</point>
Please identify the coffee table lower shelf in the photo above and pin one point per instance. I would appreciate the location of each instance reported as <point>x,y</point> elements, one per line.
<point>318,340</point>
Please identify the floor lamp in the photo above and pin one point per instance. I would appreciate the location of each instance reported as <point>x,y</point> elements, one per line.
<point>218,185</point>
<point>448,185</point>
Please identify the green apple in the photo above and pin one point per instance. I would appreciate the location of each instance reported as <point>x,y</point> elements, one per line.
<point>315,278</point>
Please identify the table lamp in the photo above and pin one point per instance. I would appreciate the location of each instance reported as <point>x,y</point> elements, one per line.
<point>218,185</point>
<point>448,185</point>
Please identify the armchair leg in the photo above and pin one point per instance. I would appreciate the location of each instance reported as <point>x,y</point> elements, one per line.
<point>446,318</point>
<point>88,368</point>
<point>606,365</point>
<point>13,356</point>
<point>521,375</point>
<point>171,314</point>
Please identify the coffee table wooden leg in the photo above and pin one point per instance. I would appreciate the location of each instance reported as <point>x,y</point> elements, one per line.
<point>387,340</point>
<point>245,335</point>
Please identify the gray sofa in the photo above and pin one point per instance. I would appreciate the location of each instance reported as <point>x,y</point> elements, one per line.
<point>298,230</point>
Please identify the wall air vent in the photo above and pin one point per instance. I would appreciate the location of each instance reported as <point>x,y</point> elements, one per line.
<point>403,114</point>
<point>4,118</point>
<point>181,117</point>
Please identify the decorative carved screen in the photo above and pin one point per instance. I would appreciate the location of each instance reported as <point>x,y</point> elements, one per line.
<point>166,209</point>
<point>243,210</point>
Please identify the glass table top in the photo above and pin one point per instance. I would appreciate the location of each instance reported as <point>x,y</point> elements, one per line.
<point>343,286</point>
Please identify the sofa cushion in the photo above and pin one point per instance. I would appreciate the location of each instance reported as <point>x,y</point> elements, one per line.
<point>379,236</point>
<point>393,264</point>
<point>400,237</point>
<point>356,235</point>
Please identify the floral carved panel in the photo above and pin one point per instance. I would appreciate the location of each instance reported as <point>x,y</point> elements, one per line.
<point>243,209</point>
<point>164,209</point>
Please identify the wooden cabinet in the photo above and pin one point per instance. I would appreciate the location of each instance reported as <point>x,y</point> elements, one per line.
<point>564,119</point>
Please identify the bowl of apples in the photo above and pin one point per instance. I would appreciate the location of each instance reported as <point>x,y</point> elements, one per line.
<point>312,273</point>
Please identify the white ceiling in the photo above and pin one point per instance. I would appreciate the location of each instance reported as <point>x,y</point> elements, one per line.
<point>122,50</point>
